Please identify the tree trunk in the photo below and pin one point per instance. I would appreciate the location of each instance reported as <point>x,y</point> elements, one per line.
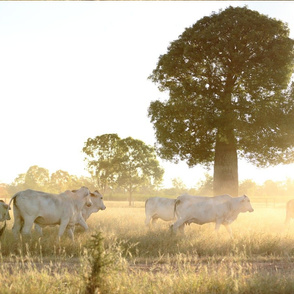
<point>225,178</point>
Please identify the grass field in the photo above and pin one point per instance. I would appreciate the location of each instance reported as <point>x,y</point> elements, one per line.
<point>259,259</point>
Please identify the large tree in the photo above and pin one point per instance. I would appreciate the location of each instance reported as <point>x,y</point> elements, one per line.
<point>228,82</point>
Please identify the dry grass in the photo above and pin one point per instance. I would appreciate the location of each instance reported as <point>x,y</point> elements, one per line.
<point>259,259</point>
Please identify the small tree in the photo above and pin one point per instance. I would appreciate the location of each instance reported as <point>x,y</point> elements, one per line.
<point>60,181</point>
<point>137,166</point>
<point>101,154</point>
<point>37,178</point>
<point>128,163</point>
<point>18,184</point>
<point>248,187</point>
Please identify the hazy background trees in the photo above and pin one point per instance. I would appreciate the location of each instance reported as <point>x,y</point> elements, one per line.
<point>39,178</point>
<point>60,181</point>
<point>227,77</point>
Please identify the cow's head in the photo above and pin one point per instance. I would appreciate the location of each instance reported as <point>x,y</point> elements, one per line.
<point>85,194</point>
<point>245,204</point>
<point>97,200</point>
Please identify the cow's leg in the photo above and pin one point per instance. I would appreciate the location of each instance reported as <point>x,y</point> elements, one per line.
<point>62,228</point>
<point>147,220</point>
<point>182,228</point>
<point>154,221</point>
<point>217,225</point>
<point>27,227</point>
<point>17,223</point>
<point>83,223</point>
<point>228,227</point>
<point>70,230</point>
<point>39,229</point>
<point>178,224</point>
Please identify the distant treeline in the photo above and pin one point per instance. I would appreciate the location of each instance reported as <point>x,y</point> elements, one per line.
<point>39,178</point>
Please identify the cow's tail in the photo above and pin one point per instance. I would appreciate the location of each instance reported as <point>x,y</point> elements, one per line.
<point>146,202</point>
<point>177,202</point>
<point>8,207</point>
<point>12,198</point>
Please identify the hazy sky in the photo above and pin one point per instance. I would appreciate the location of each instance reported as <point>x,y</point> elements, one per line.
<point>74,70</point>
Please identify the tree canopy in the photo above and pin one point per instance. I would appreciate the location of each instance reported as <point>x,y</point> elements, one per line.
<point>228,79</point>
<point>128,163</point>
<point>101,154</point>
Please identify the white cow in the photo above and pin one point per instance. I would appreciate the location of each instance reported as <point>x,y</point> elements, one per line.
<point>222,210</point>
<point>48,209</point>
<point>4,213</point>
<point>158,207</point>
<point>97,204</point>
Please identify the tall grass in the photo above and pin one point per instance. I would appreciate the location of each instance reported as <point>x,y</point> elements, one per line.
<point>258,259</point>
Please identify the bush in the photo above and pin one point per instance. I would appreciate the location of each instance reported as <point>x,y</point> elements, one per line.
<point>97,259</point>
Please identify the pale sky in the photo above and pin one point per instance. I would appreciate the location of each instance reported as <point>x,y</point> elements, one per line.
<point>74,70</point>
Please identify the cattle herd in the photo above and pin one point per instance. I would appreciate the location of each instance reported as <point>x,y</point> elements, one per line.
<point>72,208</point>
<point>67,209</point>
<point>187,209</point>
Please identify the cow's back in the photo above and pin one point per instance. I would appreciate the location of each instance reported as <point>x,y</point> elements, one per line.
<point>35,200</point>
<point>202,208</point>
<point>46,208</point>
<point>195,199</point>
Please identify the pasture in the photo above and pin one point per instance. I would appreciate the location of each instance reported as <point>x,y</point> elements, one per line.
<point>259,259</point>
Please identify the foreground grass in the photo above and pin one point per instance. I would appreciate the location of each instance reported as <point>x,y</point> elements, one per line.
<point>259,259</point>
